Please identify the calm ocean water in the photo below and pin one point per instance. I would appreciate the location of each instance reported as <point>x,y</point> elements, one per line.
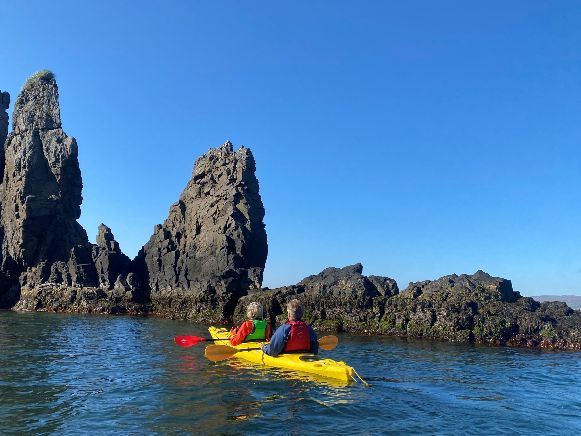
<point>70,374</point>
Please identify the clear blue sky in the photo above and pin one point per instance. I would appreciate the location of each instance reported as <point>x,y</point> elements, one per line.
<point>420,138</point>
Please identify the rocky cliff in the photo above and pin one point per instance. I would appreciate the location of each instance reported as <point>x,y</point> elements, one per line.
<point>7,297</point>
<point>4,103</point>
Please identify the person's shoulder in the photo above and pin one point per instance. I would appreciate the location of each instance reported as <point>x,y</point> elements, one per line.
<point>248,324</point>
<point>283,327</point>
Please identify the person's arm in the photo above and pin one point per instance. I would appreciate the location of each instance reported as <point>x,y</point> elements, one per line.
<point>268,332</point>
<point>240,334</point>
<point>278,341</point>
<point>314,341</point>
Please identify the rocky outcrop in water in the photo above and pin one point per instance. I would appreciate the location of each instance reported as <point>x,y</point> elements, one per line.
<point>447,308</point>
<point>465,308</point>
<point>212,248</point>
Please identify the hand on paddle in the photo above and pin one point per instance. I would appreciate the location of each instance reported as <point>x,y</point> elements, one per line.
<point>215,353</point>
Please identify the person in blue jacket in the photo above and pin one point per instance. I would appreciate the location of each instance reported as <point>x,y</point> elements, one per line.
<point>293,336</point>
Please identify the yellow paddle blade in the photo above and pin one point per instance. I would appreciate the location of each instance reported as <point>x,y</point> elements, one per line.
<point>328,342</point>
<point>215,353</point>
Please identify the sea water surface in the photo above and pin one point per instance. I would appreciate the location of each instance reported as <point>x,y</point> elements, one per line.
<point>71,374</point>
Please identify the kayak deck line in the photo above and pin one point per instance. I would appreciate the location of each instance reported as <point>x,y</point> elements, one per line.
<point>301,362</point>
<point>360,378</point>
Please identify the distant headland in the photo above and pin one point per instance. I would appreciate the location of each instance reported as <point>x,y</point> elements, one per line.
<point>573,301</point>
<point>206,261</point>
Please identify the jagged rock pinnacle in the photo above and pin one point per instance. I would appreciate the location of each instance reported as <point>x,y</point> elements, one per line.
<point>41,195</point>
<point>214,239</point>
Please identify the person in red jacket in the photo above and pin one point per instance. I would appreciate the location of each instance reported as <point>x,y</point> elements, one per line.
<point>294,335</point>
<point>254,329</point>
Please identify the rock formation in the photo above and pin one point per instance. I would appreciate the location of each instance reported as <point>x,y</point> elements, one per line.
<point>4,103</point>
<point>7,295</point>
<point>212,248</point>
<point>465,308</point>
<point>41,194</point>
<point>109,261</point>
<point>446,308</point>
<point>336,298</point>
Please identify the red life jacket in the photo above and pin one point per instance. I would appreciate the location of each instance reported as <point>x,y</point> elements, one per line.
<point>299,338</point>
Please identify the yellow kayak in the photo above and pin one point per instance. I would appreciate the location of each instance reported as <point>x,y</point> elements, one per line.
<point>303,362</point>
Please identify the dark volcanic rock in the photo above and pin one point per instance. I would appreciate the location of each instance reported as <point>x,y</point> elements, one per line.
<point>478,308</point>
<point>61,298</point>
<point>41,195</point>
<point>212,248</point>
<point>464,308</point>
<point>8,292</point>
<point>109,261</point>
<point>336,298</point>
<point>445,308</point>
<point>349,281</point>
<point>482,286</point>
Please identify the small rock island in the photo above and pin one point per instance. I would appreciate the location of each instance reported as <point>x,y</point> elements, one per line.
<point>206,261</point>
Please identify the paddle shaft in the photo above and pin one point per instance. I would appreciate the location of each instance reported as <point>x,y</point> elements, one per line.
<point>189,341</point>
<point>199,339</point>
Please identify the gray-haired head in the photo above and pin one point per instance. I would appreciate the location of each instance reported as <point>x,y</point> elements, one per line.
<point>255,311</point>
<point>294,309</point>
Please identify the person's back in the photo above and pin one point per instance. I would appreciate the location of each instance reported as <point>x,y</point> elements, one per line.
<point>293,336</point>
<point>253,329</point>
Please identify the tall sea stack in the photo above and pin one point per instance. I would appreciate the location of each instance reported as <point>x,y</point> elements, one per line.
<point>212,248</point>
<point>41,194</point>
<point>6,299</point>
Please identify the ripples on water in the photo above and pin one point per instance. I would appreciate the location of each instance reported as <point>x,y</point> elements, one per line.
<point>71,374</point>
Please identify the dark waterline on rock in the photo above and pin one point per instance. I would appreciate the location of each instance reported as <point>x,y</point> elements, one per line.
<point>75,373</point>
